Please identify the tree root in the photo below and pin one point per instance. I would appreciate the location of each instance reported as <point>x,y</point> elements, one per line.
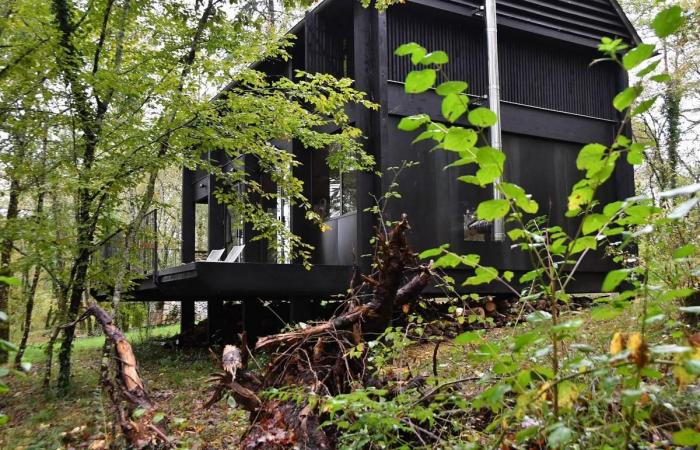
<point>317,361</point>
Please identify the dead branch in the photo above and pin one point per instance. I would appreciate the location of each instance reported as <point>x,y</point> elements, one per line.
<point>134,410</point>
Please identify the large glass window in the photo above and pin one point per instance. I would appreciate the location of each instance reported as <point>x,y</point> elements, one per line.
<point>342,189</point>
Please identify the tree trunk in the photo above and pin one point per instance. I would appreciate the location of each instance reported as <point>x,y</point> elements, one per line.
<point>672,111</point>
<point>5,259</point>
<point>28,297</point>
<point>76,295</point>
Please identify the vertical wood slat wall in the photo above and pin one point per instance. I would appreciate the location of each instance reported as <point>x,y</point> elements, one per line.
<point>535,71</point>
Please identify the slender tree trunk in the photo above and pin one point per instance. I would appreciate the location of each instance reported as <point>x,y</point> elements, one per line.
<point>28,297</point>
<point>672,111</point>
<point>5,259</point>
<point>75,300</point>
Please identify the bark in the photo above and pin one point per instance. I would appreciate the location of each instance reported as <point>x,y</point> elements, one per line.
<point>133,408</point>
<point>5,260</point>
<point>28,298</point>
<point>672,111</point>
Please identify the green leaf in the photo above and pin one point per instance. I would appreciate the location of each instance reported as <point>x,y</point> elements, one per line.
<point>525,340</point>
<point>483,275</point>
<point>453,106</point>
<point>468,338</point>
<point>690,309</point>
<point>668,349</point>
<point>10,281</point>
<point>684,251</point>
<point>637,55</point>
<point>661,78</point>
<point>138,412</point>
<point>648,69</point>
<point>508,275</point>
<point>675,294</point>
<point>668,21</point>
<point>412,123</point>
<point>614,278</point>
<point>624,99</point>
<point>518,194</point>
<point>593,223</point>
<point>590,158</point>
<point>416,51</point>
<point>531,275</point>
<point>460,139</point>
<point>408,49</point>
<point>538,317</point>
<point>471,260</point>
<point>419,81</point>
<point>559,437</point>
<point>569,325</point>
<point>7,346</point>
<point>451,87</point>
<point>492,209</point>
<point>432,252</point>
<point>644,106</point>
<point>158,417</point>
<point>583,243</point>
<point>3,316</point>
<point>580,196</point>
<point>437,57</point>
<point>482,117</point>
<point>449,260</point>
<point>491,162</point>
<point>692,366</point>
<point>4,419</point>
<point>494,395</point>
<point>635,156</point>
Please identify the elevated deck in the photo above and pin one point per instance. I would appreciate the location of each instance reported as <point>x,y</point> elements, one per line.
<point>198,281</point>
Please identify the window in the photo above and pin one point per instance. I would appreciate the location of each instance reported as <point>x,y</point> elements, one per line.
<point>342,192</point>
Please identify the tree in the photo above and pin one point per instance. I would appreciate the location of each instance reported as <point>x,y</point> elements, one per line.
<point>671,126</point>
<point>128,92</point>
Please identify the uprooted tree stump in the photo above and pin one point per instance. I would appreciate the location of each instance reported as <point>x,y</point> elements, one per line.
<point>134,411</point>
<point>316,359</point>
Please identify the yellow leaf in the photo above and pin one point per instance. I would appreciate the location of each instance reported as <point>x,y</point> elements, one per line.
<point>568,393</point>
<point>639,352</point>
<point>618,343</point>
<point>683,378</point>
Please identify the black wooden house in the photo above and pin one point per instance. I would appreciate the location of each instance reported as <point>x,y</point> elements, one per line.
<point>552,102</point>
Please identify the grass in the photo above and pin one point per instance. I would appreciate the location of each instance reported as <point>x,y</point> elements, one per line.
<point>36,352</point>
<point>177,382</point>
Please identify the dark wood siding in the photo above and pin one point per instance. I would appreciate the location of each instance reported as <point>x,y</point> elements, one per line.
<point>535,71</point>
<point>462,39</point>
<point>585,18</point>
<point>328,39</point>
<point>582,20</point>
<point>555,76</point>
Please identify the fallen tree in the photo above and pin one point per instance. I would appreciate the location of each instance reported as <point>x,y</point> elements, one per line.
<point>134,411</point>
<point>316,360</point>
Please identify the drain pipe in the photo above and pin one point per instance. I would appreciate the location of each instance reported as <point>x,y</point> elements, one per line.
<point>494,95</point>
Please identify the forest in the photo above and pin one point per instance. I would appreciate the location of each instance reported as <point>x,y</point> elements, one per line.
<point>108,106</point>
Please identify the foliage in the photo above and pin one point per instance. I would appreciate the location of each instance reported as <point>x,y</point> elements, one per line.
<point>545,387</point>
<point>100,99</point>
